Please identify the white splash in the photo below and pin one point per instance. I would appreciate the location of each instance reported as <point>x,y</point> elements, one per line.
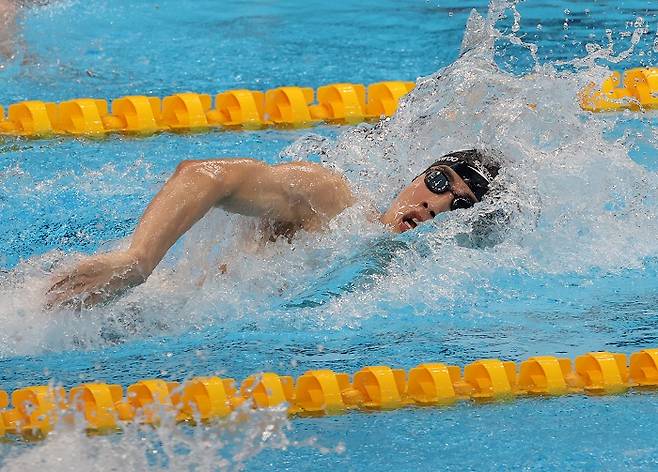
<point>226,445</point>
<point>568,201</point>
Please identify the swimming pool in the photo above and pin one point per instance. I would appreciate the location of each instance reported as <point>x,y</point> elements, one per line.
<point>576,270</point>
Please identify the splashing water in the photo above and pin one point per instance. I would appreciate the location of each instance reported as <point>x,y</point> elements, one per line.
<point>569,202</point>
<point>226,445</point>
<point>575,195</point>
<point>567,196</point>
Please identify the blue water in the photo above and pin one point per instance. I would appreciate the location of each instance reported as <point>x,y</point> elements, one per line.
<point>581,277</point>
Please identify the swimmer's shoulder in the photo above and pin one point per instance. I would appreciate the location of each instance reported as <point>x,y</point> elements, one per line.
<point>303,166</point>
<point>311,173</point>
<point>329,187</point>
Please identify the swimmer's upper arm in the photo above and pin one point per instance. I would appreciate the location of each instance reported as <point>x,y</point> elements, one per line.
<point>323,191</point>
<point>254,188</point>
<point>287,192</point>
<point>228,178</point>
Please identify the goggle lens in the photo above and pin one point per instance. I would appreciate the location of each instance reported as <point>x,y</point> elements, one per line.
<point>461,203</point>
<point>437,182</point>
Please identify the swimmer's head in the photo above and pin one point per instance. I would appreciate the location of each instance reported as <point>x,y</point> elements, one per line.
<point>456,180</point>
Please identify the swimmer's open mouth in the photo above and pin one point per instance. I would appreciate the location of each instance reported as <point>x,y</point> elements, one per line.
<point>411,224</point>
<point>412,218</point>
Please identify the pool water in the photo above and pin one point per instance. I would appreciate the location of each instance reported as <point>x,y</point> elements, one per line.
<point>573,268</point>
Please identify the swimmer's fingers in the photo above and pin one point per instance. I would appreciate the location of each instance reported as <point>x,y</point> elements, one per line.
<point>69,303</point>
<point>97,297</point>
<point>93,296</point>
<point>64,293</point>
<point>59,282</point>
<point>57,292</point>
<point>70,277</point>
<point>67,288</point>
<point>79,296</point>
<point>84,292</point>
<point>95,280</point>
<point>85,300</point>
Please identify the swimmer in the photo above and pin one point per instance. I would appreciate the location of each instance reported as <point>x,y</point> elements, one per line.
<point>286,197</point>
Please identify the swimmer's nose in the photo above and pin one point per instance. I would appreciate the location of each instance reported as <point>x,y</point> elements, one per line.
<point>431,214</point>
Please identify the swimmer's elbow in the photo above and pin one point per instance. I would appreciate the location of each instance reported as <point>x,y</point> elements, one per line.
<point>222,178</point>
<point>212,177</point>
<point>196,169</point>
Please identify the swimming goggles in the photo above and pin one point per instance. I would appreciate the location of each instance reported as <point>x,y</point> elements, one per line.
<point>438,182</point>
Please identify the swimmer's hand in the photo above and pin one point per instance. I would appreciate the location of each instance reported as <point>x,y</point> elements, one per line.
<point>95,280</point>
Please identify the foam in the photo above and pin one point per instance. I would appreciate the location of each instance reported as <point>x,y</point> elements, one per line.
<point>225,445</point>
<point>577,204</point>
<point>572,196</point>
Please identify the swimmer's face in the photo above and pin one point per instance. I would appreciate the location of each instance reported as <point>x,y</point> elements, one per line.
<point>416,203</point>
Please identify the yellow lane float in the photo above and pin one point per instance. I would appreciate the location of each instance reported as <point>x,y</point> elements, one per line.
<point>239,109</point>
<point>286,107</point>
<point>36,410</point>
<point>637,91</point>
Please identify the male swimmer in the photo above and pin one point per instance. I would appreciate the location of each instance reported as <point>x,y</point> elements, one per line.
<point>286,197</point>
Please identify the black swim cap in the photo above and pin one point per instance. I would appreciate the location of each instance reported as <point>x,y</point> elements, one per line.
<point>472,166</point>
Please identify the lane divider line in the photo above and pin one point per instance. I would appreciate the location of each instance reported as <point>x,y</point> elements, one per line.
<point>636,90</point>
<point>104,407</point>
<point>283,107</point>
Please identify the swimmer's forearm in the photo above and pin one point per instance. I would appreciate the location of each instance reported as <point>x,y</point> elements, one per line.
<point>188,195</point>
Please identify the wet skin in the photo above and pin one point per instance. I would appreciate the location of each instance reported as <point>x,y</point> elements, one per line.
<point>416,203</point>
<point>292,196</point>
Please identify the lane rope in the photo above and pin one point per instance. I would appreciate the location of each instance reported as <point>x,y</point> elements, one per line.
<point>636,90</point>
<point>104,407</point>
<point>285,107</point>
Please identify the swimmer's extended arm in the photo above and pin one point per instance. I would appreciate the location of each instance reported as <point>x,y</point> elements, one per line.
<point>193,189</point>
<point>243,186</point>
<point>295,193</point>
